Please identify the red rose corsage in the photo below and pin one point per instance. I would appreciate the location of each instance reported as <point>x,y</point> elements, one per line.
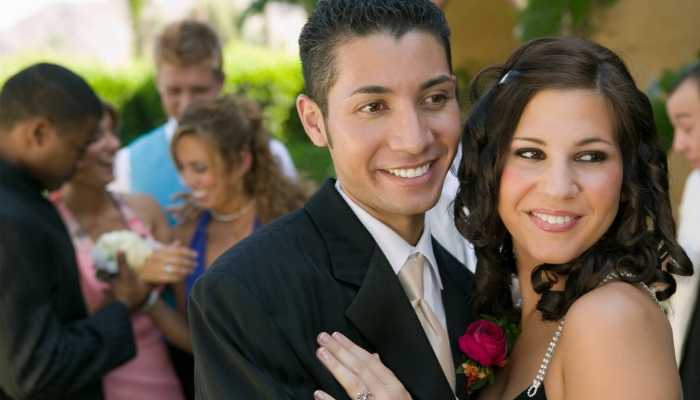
<point>486,345</point>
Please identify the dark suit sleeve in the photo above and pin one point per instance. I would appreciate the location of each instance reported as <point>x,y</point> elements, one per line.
<point>239,351</point>
<point>42,357</point>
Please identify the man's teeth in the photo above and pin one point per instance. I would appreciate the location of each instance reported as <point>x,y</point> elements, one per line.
<point>554,219</point>
<point>198,194</point>
<point>410,172</point>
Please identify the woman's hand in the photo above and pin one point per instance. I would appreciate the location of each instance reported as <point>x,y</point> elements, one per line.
<point>168,264</point>
<point>361,374</point>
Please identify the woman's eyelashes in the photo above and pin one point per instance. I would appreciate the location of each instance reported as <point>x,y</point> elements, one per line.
<point>530,153</point>
<point>592,156</point>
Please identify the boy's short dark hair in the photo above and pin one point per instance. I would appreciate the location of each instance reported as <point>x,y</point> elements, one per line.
<point>50,91</point>
<point>336,21</point>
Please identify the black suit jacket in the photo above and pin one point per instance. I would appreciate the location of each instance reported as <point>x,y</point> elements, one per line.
<point>256,314</point>
<point>49,349</point>
<point>690,366</point>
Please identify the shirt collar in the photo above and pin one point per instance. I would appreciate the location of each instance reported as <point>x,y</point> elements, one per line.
<point>394,247</point>
<point>170,128</point>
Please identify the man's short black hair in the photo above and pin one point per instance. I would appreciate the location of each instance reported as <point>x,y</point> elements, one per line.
<point>50,91</point>
<point>335,21</point>
<point>691,72</point>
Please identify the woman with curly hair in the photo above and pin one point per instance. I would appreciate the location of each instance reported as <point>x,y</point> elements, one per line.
<point>564,190</point>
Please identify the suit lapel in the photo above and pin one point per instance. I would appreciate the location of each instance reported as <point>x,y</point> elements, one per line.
<point>457,284</point>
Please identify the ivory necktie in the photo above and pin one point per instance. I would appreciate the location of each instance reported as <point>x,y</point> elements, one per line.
<point>411,277</point>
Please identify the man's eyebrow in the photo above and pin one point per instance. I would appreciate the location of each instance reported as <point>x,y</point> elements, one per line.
<point>371,89</point>
<point>378,89</point>
<point>436,81</point>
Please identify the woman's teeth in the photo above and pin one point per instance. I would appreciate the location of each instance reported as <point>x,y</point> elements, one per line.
<point>554,219</point>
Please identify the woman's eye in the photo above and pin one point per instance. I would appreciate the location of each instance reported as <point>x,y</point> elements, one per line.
<point>531,154</point>
<point>374,107</point>
<point>200,169</point>
<point>592,156</point>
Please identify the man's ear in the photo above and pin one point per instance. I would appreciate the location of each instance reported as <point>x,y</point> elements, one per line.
<point>34,132</point>
<point>312,119</point>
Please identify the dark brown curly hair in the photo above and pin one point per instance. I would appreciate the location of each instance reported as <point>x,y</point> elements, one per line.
<point>639,245</point>
<point>232,124</point>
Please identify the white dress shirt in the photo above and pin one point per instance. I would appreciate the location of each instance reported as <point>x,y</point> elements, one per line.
<point>442,222</point>
<point>397,251</point>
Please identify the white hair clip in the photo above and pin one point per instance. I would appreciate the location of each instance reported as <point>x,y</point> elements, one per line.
<point>505,78</point>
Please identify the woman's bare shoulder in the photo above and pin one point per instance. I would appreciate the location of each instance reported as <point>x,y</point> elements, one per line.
<point>615,328</point>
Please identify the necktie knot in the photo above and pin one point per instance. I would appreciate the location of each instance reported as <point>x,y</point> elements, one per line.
<point>411,276</point>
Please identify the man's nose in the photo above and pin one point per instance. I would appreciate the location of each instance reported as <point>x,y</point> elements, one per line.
<point>410,133</point>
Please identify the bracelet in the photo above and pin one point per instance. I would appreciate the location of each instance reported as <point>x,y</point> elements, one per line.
<point>153,297</point>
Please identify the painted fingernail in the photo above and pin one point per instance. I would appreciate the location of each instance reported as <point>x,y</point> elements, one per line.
<point>318,395</point>
<point>340,336</point>
<point>322,353</point>
<point>323,338</point>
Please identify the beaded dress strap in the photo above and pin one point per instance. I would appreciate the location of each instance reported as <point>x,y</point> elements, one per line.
<point>544,366</point>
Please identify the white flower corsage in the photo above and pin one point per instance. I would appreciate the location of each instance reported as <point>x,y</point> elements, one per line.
<point>136,248</point>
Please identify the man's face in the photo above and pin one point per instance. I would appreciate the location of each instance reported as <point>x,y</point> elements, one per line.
<point>179,86</point>
<point>392,125</point>
<point>684,110</point>
<point>58,154</point>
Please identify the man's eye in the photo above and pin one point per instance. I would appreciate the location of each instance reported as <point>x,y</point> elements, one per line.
<point>436,99</point>
<point>374,107</point>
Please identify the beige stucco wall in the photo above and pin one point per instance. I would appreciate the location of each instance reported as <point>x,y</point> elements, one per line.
<point>482,32</point>
<point>650,35</point>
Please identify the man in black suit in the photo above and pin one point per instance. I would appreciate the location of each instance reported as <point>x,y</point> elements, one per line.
<point>382,97</point>
<point>49,347</point>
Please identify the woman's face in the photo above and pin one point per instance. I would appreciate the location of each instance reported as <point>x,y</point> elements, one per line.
<point>202,169</point>
<point>561,182</point>
<point>96,166</point>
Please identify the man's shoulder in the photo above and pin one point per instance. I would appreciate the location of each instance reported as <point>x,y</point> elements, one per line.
<point>285,253</point>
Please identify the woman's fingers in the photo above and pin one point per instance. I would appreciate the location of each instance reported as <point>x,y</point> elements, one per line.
<point>321,395</point>
<point>346,377</point>
<point>357,370</point>
<point>354,359</point>
<point>371,361</point>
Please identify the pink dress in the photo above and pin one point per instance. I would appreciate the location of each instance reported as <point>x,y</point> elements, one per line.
<point>150,375</point>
